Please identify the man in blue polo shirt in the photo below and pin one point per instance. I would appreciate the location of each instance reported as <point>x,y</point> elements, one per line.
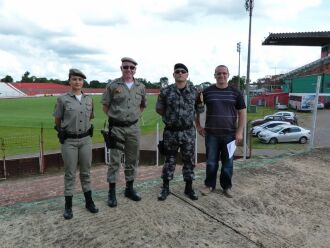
<point>225,119</point>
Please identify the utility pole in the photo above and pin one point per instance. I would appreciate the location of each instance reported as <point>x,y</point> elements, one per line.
<point>249,7</point>
<point>239,66</point>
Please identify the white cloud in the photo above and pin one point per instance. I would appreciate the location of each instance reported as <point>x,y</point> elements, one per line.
<point>48,37</point>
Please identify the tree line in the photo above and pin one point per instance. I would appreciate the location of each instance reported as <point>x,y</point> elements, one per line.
<point>163,82</point>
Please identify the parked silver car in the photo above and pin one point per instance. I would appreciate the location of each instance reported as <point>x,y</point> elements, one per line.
<point>257,129</point>
<point>285,133</point>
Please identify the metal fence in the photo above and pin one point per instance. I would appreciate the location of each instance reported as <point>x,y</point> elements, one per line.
<point>30,146</point>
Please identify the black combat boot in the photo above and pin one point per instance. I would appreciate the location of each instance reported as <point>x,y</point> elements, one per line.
<point>165,191</point>
<point>189,191</point>
<point>130,192</point>
<point>68,208</point>
<point>112,201</point>
<point>89,202</point>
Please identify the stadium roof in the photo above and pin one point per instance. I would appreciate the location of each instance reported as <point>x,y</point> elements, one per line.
<point>298,39</point>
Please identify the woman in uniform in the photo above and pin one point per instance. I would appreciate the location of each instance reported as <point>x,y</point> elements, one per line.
<point>73,113</point>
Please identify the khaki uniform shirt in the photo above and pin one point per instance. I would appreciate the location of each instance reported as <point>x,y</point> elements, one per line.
<point>124,103</point>
<point>75,115</point>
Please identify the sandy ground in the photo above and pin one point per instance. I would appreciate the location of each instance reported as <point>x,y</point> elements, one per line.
<point>278,202</point>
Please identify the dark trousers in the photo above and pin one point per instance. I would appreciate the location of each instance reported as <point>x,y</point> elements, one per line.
<point>216,147</point>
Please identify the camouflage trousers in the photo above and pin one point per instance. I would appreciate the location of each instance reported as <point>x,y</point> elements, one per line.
<point>185,141</point>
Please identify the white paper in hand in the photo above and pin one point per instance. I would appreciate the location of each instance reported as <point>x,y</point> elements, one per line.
<point>231,147</point>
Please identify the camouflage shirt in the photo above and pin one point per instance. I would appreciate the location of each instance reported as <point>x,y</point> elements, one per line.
<point>179,106</point>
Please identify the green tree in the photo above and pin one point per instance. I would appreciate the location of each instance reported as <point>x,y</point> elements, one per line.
<point>204,85</point>
<point>26,78</point>
<point>148,84</point>
<point>7,79</point>
<point>96,84</point>
<point>235,81</point>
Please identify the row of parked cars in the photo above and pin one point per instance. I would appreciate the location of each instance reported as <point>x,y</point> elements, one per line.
<point>280,127</point>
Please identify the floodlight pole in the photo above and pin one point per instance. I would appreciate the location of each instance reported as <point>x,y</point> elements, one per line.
<point>239,65</point>
<point>249,7</point>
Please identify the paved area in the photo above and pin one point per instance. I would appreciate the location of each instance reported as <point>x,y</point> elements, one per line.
<point>48,186</point>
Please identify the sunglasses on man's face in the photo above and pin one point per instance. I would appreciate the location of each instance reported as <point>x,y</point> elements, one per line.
<point>126,67</point>
<point>180,71</point>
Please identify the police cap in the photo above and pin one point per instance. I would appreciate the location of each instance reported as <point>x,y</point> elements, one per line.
<point>76,72</point>
<point>128,59</point>
<point>180,66</point>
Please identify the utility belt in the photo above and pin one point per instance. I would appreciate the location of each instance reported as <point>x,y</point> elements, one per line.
<point>116,123</point>
<point>77,136</point>
<point>178,129</point>
<point>63,135</point>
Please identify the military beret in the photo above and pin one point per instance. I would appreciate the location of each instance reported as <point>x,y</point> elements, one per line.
<point>76,72</point>
<point>180,66</point>
<point>128,59</point>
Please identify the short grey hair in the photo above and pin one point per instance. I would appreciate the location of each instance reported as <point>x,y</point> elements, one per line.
<point>223,66</point>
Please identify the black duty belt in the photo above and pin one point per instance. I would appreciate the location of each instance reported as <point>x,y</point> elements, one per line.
<point>115,123</point>
<point>178,129</point>
<point>77,136</point>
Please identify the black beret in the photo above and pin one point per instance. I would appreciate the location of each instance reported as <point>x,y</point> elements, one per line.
<point>128,59</point>
<point>76,72</point>
<point>180,66</point>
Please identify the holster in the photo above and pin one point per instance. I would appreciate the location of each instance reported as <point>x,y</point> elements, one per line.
<point>163,149</point>
<point>111,140</point>
<point>91,130</point>
<point>61,135</point>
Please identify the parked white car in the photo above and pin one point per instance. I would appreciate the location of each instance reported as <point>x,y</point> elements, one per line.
<point>281,106</point>
<point>285,133</point>
<point>257,129</point>
<point>320,105</point>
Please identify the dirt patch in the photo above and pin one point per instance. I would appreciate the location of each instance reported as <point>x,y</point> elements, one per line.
<point>282,202</point>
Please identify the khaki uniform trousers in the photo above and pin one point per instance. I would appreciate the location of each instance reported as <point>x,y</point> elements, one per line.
<point>77,152</point>
<point>130,147</point>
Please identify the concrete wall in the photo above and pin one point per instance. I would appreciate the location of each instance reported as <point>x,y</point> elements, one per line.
<point>23,166</point>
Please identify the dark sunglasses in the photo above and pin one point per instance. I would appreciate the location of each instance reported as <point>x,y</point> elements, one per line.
<point>180,71</point>
<point>130,67</point>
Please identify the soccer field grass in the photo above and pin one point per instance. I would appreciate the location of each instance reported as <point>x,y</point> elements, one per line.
<point>21,121</point>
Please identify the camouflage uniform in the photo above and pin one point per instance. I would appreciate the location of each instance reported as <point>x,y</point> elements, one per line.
<point>180,107</point>
<point>124,112</point>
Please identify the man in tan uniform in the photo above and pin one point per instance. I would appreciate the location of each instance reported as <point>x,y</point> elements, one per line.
<point>73,113</point>
<point>123,102</point>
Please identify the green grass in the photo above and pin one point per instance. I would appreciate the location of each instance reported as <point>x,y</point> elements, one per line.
<point>21,121</point>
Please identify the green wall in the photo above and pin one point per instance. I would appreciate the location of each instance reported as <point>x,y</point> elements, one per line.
<point>307,84</point>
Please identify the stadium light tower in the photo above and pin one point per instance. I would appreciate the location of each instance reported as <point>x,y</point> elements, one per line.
<point>239,65</point>
<point>249,7</point>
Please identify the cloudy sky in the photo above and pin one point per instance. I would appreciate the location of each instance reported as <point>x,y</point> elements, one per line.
<point>47,38</point>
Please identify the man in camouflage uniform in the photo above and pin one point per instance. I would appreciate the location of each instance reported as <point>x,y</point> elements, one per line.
<point>123,102</point>
<point>178,104</point>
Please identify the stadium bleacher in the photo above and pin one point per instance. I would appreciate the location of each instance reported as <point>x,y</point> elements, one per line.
<point>47,89</point>
<point>6,90</point>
